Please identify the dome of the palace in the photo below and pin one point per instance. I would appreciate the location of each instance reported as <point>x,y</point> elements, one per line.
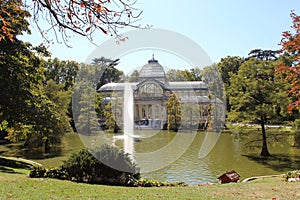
<point>152,70</point>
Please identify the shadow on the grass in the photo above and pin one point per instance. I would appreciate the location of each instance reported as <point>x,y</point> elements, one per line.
<point>8,165</point>
<point>8,170</point>
<point>278,162</point>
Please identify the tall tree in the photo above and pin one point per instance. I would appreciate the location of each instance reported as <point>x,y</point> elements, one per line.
<point>194,74</point>
<point>113,113</point>
<point>109,116</point>
<point>89,107</point>
<point>291,70</point>
<point>263,54</point>
<point>28,114</point>
<point>133,77</point>
<point>212,78</point>
<point>175,75</point>
<point>84,98</point>
<point>174,113</point>
<point>228,66</point>
<point>256,93</point>
<point>109,71</point>
<point>61,99</point>
<point>190,113</point>
<point>87,121</point>
<point>62,72</point>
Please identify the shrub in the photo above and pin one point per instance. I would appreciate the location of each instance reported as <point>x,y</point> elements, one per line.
<point>143,182</point>
<point>296,128</point>
<point>37,172</point>
<point>56,173</point>
<point>85,167</point>
<point>40,172</point>
<point>292,174</point>
<point>296,125</point>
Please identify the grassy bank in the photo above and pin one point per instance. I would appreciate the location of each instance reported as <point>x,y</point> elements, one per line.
<point>15,184</point>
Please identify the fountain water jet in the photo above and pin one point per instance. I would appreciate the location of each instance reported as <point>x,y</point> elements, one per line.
<point>128,122</point>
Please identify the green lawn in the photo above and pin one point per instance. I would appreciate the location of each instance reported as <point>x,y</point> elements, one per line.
<point>15,184</point>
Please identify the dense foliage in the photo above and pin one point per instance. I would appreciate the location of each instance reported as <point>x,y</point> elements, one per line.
<point>96,167</point>
<point>194,74</point>
<point>174,113</point>
<point>91,109</point>
<point>12,20</point>
<point>291,70</point>
<point>33,107</point>
<point>257,95</point>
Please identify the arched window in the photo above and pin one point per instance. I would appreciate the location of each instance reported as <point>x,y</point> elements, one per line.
<point>149,90</point>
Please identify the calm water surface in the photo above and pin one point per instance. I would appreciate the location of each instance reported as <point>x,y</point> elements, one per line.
<point>228,154</point>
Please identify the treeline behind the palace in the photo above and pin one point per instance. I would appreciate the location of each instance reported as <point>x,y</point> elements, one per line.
<point>40,117</point>
<point>253,88</point>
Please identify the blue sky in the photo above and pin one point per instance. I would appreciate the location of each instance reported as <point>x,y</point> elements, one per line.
<point>221,28</point>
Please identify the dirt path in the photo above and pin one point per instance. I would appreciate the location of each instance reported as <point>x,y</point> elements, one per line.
<point>260,177</point>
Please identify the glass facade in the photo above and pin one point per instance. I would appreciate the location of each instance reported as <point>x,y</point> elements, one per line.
<point>151,94</point>
<point>150,90</point>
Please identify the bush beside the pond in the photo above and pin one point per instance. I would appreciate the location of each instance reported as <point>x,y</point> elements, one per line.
<point>85,167</point>
<point>143,182</point>
<point>37,172</point>
<point>56,173</point>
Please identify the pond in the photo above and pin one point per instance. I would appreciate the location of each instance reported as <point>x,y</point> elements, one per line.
<point>229,153</point>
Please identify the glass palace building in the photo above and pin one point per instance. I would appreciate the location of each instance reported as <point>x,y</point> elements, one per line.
<point>151,93</point>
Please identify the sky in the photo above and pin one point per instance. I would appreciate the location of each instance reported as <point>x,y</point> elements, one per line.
<point>221,27</point>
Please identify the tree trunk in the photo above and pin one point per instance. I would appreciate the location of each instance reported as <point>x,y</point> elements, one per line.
<point>264,150</point>
<point>116,128</point>
<point>47,146</point>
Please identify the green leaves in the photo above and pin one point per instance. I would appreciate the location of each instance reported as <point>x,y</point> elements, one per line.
<point>30,110</point>
<point>61,72</point>
<point>174,112</point>
<point>194,74</point>
<point>98,166</point>
<point>255,91</point>
<point>12,20</point>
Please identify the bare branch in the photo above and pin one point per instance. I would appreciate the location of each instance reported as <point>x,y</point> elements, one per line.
<point>85,17</point>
